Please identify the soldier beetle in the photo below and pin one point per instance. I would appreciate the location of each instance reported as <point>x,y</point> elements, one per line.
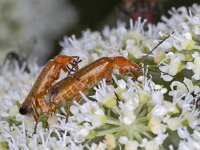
<point>69,88</point>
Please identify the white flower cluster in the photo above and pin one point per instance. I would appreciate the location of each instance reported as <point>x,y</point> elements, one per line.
<point>124,114</point>
<point>112,42</point>
<point>183,46</point>
<point>32,25</point>
<point>16,130</point>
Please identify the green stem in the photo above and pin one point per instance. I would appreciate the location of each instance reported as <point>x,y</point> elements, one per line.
<point>109,131</point>
<point>116,110</point>
<point>147,135</point>
<point>113,121</point>
<point>141,120</point>
<point>88,141</point>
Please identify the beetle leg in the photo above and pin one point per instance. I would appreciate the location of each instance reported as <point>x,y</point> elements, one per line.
<point>73,65</point>
<point>69,105</point>
<point>36,117</point>
<point>108,75</point>
<point>68,110</point>
<point>44,107</point>
<point>63,62</point>
<point>71,70</point>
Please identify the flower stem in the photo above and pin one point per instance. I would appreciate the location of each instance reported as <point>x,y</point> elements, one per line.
<point>109,131</point>
<point>116,110</point>
<point>113,121</point>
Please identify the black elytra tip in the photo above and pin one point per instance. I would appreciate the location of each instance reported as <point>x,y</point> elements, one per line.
<point>23,111</point>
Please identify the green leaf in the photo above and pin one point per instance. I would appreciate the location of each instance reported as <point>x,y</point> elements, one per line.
<point>173,138</point>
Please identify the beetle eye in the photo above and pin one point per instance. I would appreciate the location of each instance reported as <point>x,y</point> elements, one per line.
<point>23,111</point>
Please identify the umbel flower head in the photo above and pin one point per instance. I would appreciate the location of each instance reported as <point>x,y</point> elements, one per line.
<point>147,113</point>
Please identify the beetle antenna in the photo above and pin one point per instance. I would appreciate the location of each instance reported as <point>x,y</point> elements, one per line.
<point>157,46</point>
<point>165,73</point>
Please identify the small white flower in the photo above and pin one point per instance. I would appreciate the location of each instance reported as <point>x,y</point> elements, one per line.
<point>129,44</point>
<point>83,132</point>
<point>174,123</point>
<point>171,69</point>
<point>157,97</point>
<point>100,146</point>
<point>110,141</point>
<point>131,145</point>
<point>164,73</point>
<point>159,111</point>
<point>189,141</point>
<point>143,96</point>
<point>188,35</point>
<point>151,145</point>
<point>171,107</point>
<point>194,66</point>
<point>123,140</point>
<point>182,133</point>
<point>121,84</point>
<point>128,117</point>
<point>156,126</point>
<point>160,139</point>
<point>105,94</point>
